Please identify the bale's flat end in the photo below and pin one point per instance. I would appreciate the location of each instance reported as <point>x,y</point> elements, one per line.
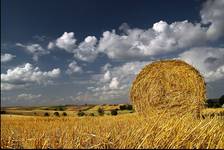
<point>171,85</point>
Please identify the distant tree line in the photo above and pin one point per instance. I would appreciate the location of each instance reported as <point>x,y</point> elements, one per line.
<point>215,103</point>
<point>55,114</point>
<point>3,112</point>
<point>126,107</point>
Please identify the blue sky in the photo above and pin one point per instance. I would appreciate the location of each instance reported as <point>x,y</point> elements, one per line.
<point>89,51</point>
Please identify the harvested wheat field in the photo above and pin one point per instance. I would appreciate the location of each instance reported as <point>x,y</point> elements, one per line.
<point>171,85</point>
<point>124,131</point>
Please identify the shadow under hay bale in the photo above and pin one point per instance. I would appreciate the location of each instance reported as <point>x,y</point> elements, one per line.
<point>168,85</point>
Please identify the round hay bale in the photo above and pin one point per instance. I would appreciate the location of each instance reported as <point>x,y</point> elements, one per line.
<point>168,85</point>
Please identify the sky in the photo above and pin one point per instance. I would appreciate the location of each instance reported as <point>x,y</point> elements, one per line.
<point>89,51</point>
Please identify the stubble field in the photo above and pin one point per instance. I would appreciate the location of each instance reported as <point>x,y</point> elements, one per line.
<point>122,131</point>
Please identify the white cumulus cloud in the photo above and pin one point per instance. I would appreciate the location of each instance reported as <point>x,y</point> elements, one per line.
<point>208,60</point>
<point>86,50</point>
<point>216,74</point>
<point>107,76</point>
<point>163,38</point>
<point>213,12</point>
<point>160,39</point>
<point>67,42</point>
<point>73,67</point>
<point>10,86</point>
<point>26,75</point>
<point>50,45</point>
<point>35,49</point>
<point>114,83</point>
<point>6,57</point>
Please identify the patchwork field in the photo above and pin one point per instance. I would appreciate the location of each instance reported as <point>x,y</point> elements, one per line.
<point>70,110</point>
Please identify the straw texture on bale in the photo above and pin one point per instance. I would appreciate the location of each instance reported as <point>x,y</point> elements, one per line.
<point>168,85</point>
